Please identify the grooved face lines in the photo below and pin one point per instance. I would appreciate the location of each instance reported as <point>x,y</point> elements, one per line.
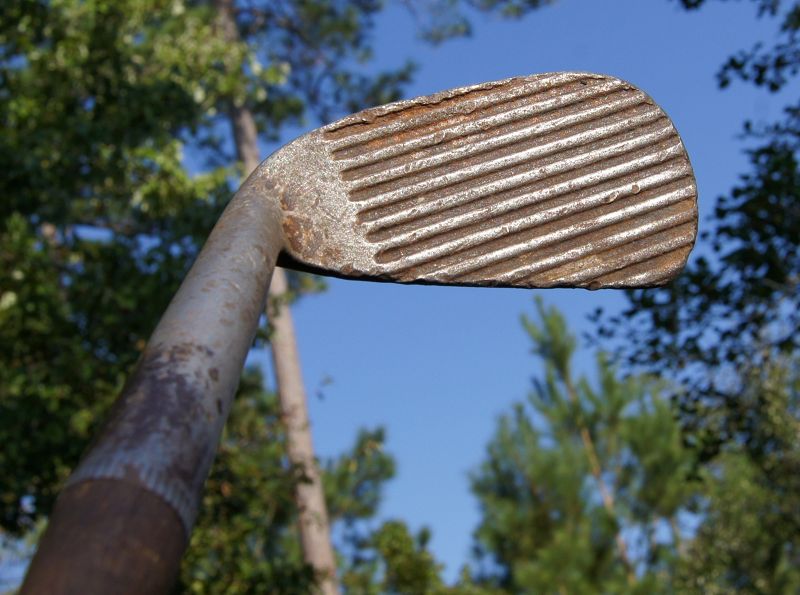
<point>555,180</point>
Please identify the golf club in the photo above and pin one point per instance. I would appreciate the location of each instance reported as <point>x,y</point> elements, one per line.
<point>553,180</point>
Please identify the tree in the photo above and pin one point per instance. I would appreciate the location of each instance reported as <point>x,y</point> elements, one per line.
<point>100,220</point>
<point>747,541</point>
<point>391,559</point>
<point>727,330</point>
<point>583,487</point>
<point>246,540</point>
<point>735,309</point>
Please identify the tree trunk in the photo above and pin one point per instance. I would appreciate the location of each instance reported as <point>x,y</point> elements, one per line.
<point>605,493</point>
<point>309,496</point>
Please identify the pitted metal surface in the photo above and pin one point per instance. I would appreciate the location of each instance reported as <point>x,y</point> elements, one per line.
<point>567,179</point>
<point>164,429</point>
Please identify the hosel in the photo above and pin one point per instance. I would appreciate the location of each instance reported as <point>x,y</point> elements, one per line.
<point>124,519</point>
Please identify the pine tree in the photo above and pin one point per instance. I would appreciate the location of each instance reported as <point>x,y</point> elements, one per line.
<point>749,538</point>
<point>392,559</point>
<point>584,483</point>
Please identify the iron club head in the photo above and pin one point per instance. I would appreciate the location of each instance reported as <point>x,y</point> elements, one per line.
<point>565,179</point>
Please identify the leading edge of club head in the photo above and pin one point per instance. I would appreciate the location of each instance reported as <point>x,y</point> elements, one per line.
<point>551,180</point>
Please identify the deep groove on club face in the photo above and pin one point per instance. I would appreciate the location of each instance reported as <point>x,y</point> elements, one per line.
<point>568,179</point>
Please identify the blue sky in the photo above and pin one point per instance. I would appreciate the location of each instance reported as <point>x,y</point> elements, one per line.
<point>436,366</point>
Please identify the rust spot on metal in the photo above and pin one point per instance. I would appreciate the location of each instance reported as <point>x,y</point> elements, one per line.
<point>412,110</point>
<point>167,400</point>
<point>293,232</point>
<point>301,234</point>
<point>286,202</point>
<point>331,253</point>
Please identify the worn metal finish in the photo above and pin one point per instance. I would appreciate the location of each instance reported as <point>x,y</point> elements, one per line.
<point>163,431</point>
<point>567,179</point>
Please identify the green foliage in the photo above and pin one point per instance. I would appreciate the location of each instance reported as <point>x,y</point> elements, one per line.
<point>739,545</point>
<point>391,560</point>
<point>317,51</point>
<point>510,8</point>
<point>749,540</point>
<point>83,96</point>
<point>773,67</point>
<point>246,537</point>
<point>353,481</point>
<point>99,223</point>
<point>394,561</point>
<point>582,486</point>
<point>727,331</point>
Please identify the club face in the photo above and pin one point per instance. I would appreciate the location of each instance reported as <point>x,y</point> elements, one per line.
<point>555,180</point>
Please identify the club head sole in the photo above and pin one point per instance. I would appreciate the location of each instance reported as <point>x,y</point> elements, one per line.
<point>552,180</point>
